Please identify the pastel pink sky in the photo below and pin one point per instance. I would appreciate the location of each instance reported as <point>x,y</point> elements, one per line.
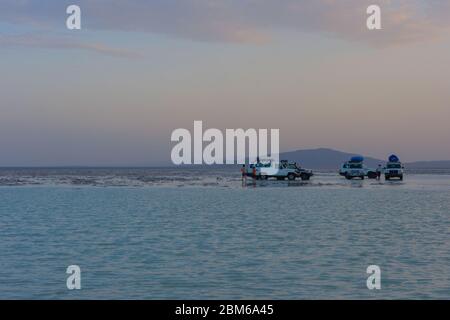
<point>112,93</point>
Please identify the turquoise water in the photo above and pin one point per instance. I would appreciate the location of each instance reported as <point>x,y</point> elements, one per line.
<point>220,240</point>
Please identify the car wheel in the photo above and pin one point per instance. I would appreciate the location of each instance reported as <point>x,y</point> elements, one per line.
<point>291,177</point>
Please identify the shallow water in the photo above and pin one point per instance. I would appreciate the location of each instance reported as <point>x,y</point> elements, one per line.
<point>201,234</point>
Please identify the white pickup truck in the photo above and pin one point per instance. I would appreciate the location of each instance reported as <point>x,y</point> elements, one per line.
<point>353,168</point>
<point>394,168</point>
<point>271,169</point>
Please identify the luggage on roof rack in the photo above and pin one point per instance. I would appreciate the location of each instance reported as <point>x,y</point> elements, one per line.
<point>393,158</point>
<point>357,159</point>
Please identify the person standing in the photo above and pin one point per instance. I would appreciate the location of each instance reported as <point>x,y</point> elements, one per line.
<point>244,173</point>
<point>379,169</point>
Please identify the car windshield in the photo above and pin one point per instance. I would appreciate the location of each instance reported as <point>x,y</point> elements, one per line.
<point>394,166</point>
<point>355,165</point>
<point>263,165</point>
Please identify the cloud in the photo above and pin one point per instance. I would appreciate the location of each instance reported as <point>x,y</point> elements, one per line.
<point>247,21</point>
<point>64,43</point>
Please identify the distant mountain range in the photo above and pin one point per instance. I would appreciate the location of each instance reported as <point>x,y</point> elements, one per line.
<point>325,159</point>
<point>429,165</point>
<point>329,159</point>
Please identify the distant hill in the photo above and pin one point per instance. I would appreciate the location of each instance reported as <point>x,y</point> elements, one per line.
<point>325,159</point>
<point>428,165</point>
<point>329,159</point>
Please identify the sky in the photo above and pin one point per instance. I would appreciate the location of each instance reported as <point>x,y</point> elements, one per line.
<point>112,93</point>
